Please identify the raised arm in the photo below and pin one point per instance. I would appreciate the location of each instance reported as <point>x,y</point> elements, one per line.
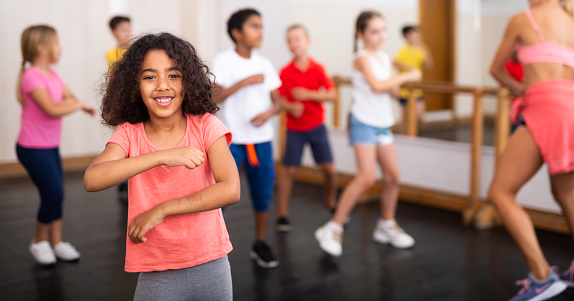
<point>224,192</point>
<point>112,167</point>
<point>502,55</point>
<point>362,64</point>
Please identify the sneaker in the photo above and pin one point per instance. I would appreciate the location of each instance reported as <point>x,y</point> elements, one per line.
<point>283,225</point>
<point>42,252</point>
<point>66,252</point>
<point>533,290</point>
<point>394,235</point>
<point>568,276</point>
<point>262,254</point>
<point>330,238</point>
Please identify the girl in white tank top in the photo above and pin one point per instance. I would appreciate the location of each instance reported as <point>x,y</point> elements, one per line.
<point>371,117</point>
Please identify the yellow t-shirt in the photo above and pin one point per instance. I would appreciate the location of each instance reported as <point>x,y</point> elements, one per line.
<point>413,57</point>
<point>114,54</point>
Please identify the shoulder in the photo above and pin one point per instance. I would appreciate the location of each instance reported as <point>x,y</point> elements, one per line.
<point>315,64</point>
<point>199,120</point>
<point>518,20</point>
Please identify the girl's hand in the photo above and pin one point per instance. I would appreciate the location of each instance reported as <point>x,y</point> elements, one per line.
<point>143,223</point>
<point>184,156</point>
<point>260,119</point>
<point>88,108</point>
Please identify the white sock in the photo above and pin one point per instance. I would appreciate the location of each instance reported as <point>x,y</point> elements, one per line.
<point>387,223</point>
<point>334,226</point>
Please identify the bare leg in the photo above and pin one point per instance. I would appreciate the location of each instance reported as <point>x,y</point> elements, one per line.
<point>330,184</point>
<point>56,232</point>
<point>42,232</point>
<point>284,190</point>
<point>519,162</point>
<point>562,187</point>
<point>390,191</point>
<point>261,224</point>
<point>365,178</point>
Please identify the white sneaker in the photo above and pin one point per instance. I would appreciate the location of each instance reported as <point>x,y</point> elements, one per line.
<point>66,252</point>
<point>330,239</point>
<point>394,235</point>
<point>42,252</point>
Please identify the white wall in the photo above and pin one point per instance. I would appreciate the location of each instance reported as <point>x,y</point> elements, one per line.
<point>84,35</point>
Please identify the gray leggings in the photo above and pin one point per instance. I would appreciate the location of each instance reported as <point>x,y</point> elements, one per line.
<point>208,281</point>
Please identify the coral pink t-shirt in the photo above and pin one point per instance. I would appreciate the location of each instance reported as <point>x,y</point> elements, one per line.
<point>37,129</point>
<point>180,241</point>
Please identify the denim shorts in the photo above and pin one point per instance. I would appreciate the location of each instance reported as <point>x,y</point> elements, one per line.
<point>361,133</point>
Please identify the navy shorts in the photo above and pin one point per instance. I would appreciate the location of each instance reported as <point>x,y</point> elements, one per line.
<point>403,101</point>
<point>260,177</point>
<point>317,139</point>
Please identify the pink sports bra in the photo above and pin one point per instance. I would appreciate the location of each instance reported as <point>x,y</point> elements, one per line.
<point>544,51</point>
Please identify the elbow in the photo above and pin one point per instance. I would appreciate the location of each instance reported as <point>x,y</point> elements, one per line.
<point>89,183</point>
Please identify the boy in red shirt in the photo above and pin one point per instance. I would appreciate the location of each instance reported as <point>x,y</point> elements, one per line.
<point>305,86</point>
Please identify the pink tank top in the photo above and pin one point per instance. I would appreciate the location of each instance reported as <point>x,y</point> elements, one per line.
<point>544,51</point>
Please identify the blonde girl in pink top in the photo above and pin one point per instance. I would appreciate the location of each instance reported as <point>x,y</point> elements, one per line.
<point>45,99</point>
<point>176,156</point>
<point>546,50</point>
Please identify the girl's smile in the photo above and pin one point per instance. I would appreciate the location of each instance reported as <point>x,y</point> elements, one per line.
<point>161,85</point>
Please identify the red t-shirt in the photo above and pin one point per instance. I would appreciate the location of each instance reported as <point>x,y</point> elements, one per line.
<point>313,78</point>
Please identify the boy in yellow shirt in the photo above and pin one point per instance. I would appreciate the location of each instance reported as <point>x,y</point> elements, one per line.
<point>122,31</point>
<point>414,54</point>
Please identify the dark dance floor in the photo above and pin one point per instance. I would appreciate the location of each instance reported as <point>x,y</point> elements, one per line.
<point>449,262</point>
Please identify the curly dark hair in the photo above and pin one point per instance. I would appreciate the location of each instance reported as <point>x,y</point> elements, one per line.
<point>122,101</point>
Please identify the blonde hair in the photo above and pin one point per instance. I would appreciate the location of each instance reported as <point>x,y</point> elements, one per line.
<point>568,6</point>
<point>298,26</point>
<point>32,37</point>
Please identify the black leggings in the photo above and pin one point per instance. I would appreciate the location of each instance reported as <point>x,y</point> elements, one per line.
<point>45,168</point>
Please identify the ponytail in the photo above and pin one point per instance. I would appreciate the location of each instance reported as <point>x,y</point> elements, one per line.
<point>32,37</point>
<point>19,96</point>
<point>568,6</point>
<point>361,24</point>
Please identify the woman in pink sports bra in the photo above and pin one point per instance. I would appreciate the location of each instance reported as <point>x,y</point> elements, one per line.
<point>547,106</point>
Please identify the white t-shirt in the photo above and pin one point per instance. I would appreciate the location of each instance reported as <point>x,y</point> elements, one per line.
<point>370,107</point>
<point>249,101</point>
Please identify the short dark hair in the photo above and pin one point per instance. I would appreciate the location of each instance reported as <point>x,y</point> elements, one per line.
<point>408,29</point>
<point>115,21</point>
<point>237,20</point>
<point>122,101</point>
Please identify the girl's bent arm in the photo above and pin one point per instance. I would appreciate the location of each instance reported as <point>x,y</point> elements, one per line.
<point>503,53</point>
<point>112,167</point>
<point>362,64</point>
<point>43,99</point>
<point>224,192</point>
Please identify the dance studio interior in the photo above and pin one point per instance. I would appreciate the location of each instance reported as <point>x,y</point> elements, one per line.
<point>444,149</point>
